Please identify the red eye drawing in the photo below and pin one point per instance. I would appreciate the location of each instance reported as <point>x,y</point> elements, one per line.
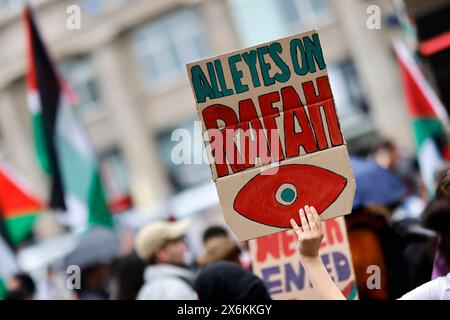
<point>273,199</point>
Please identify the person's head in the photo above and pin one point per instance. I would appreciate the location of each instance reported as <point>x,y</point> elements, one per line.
<point>162,243</point>
<point>220,249</point>
<point>436,216</point>
<point>94,282</point>
<point>128,271</point>
<point>21,287</point>
<point>228,281</point>
<point>214,232</point>
<point>95,277</point>
<point>443,187</point>
<point>385,153</point>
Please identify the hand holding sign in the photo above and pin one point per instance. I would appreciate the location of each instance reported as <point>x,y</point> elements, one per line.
<point>309,241</point>
<point>310,238</point>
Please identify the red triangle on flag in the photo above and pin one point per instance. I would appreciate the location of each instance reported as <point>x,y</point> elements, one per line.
<point>15,199</point>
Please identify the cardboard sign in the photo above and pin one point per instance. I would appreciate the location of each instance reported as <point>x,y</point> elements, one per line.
<point>272,134</point>
<point>276,261</point>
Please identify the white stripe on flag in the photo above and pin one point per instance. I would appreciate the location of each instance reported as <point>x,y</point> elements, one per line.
<point>68,126</point>
<point>429,160</point>
<point>76,215</point>
<point>34,102</point>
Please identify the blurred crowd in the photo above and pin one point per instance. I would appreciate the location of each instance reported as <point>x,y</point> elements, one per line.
<point>400,231</point>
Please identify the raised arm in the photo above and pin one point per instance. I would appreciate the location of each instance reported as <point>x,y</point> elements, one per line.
<point>309,240</point>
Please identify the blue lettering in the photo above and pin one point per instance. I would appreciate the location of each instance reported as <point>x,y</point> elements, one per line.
<point>342,266</point>
<point>291,277</point>
<point>273,287</point>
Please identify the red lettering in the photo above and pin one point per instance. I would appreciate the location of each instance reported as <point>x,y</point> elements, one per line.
<point>269,113</point>
<point>294,110</point>
<point>267,245</point>
<point>333,232</point>
<point>287,239</point>
<point>311,134</point>
<point>323,100</point>
<point>234,156</point>
<point>211,117</point>
<point>252,148</point>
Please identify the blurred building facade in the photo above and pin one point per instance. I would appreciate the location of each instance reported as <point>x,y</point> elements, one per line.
<point>127,66</point>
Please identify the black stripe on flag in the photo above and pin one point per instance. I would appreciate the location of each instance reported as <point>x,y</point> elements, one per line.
<point>50,89</point>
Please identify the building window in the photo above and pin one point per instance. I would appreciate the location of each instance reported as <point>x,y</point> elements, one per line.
<point>99,7</point>
<point>185,175</point>
<point>116,183</point>
<point>306,13</point>
<point>164,46</point>
<point>349,99</point>
<point>80,76</point>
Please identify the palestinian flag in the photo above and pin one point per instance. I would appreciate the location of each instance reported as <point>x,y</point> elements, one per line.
<point>62,146</point>
<point>18,208</point>
<point>428,118</point>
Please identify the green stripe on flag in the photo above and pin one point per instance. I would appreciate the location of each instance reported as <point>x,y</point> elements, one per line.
<point>2,289</point>
<point>41,144</point>
<point>76,169</point>
<point>19,227</point>
<point>98,209</point>
<point>425,128</point>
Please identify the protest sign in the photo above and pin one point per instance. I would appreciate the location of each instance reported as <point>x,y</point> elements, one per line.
<point>276,260</point>
<point>272,134</point>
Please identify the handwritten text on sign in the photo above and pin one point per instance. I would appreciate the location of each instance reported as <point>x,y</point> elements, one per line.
<point>276,261</point>
<point>264,67</point>
<point>272,134</point>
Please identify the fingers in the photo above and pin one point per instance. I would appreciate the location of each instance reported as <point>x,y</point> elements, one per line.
<point>311,220</point>
<point>296,227</point>
<point>317,219</point>
<point>304,221</point>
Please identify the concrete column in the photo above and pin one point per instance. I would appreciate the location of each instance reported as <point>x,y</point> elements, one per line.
<point>148,180</point>
<point>217,16</point>
<point>377,69</point>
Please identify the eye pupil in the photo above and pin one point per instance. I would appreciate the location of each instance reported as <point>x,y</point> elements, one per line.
<point>288,195</point>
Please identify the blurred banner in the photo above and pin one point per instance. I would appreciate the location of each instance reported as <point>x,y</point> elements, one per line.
<point>276,260</point>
